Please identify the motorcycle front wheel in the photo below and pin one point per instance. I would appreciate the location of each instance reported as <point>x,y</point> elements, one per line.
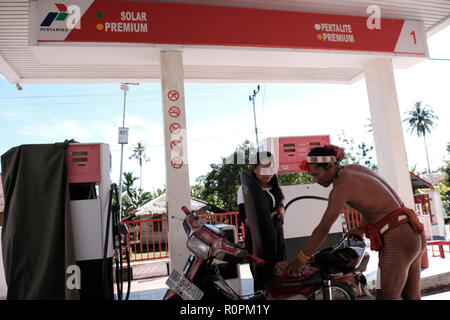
<point>339,291</point>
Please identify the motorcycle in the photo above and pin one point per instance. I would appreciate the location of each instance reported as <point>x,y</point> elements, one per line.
<point>332,273</point>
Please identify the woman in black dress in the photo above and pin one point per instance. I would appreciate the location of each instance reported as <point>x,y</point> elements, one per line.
<point>263,171</point>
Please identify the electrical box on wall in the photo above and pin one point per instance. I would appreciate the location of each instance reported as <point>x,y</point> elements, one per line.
<point>289,152</point>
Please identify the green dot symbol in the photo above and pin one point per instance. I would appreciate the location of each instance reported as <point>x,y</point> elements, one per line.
<point>99,14</point>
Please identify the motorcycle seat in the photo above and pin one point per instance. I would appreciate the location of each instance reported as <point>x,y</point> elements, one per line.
<point>311,275</point>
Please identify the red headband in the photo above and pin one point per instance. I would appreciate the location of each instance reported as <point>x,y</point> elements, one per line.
<point>339,152</point>
<point>304,165</point>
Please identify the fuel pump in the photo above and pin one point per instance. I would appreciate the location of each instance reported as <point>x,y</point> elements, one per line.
<point>97,230</point>
<point>60,223</point>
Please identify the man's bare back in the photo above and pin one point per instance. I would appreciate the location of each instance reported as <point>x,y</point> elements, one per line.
<point>367,192</point>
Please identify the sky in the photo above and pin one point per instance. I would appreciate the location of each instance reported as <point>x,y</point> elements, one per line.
<point>219,116</point>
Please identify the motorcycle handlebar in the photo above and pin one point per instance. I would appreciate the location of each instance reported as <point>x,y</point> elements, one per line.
<point>257,260</point>
<point>186,210</point>
<point>354,236</point>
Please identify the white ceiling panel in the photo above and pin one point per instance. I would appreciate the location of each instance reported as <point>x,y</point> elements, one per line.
<point>19,63</point>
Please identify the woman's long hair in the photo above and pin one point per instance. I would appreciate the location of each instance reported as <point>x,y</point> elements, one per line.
<point>276,190</point>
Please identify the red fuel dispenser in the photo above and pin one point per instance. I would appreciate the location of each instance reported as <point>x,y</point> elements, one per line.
<point>291,151</point>
<point>88,169</point>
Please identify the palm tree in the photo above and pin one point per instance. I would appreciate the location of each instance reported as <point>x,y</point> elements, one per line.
<point>421,120</point>
<point>132,199</point>
<point>139,155</point>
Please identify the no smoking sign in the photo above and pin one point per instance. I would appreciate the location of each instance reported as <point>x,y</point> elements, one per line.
<point>173,95</point>
<point>175,128</point>
<point>176,163</point>
<point>174,112</point>
<point>176,145</point>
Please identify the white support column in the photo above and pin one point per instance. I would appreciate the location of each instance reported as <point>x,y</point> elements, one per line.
<point>387,127</point>
<point>438,226</point>
<point>177,173</point>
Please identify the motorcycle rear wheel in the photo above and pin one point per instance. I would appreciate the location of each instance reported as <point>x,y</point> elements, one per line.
<point>339,291</point>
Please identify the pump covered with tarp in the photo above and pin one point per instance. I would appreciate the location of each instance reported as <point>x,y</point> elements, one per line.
<point>37,242</point>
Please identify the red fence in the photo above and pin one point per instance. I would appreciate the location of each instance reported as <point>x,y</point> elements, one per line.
<point>422,203</point>
<point>147,239</point>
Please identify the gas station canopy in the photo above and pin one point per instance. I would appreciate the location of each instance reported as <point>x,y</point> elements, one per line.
<point>221,40</point>
<point>340,41</point>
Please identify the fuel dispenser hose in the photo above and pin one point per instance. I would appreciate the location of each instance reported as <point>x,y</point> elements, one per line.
<point>119,229</point>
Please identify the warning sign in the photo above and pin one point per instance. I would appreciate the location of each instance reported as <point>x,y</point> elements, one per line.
<point>174,111</point>
<point>176,145</point>
<point>176,163</point>
<point>175,128</point>
<point>173,95</point>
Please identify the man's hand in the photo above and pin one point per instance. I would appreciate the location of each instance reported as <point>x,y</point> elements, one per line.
<point>294,268</point>
<point>356,232</point>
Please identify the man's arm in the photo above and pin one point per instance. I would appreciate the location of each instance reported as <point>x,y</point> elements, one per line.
<point>337,199</point>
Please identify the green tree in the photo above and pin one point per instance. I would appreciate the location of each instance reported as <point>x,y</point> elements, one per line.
<point>359,153</point>
<point>132,198</point>
<point>158,192</point>
<point>444,187</point>
<point>421,119</point>
<point>140,155</point>
<point>295,178</point>
<point>220,185</point>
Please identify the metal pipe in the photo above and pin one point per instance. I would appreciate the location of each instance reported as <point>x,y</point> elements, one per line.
<point>123,87</point>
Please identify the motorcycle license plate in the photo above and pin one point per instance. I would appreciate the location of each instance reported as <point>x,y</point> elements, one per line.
<point>183,287</point>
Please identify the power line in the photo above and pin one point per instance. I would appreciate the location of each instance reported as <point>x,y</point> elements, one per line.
<point>439,59</point>
<point>252,99</point>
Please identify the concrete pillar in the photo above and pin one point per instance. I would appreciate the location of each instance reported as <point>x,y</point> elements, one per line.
<point>438,226</point>
<point>387,127</point>
<point>177,172</point>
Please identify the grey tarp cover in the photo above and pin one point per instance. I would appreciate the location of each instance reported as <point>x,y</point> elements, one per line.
<point>36,239</point>
<point>260,224</point>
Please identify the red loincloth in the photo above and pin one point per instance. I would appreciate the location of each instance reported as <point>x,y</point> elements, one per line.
<point>372,231</point>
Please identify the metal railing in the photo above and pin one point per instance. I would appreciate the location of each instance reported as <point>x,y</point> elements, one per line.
<point>147,239</point>
<point>422,204</point>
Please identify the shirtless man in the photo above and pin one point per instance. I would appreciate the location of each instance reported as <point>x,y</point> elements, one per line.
<point>385,222</point>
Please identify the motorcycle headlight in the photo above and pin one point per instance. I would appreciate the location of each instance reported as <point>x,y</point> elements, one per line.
<point>198,247</point>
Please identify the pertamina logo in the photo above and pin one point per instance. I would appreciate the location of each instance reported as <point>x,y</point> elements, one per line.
<point>73,11</point>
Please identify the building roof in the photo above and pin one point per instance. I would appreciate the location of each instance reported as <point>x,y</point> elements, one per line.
<point>434,178</point>
<point>158,207</point>
<point>419,183</point>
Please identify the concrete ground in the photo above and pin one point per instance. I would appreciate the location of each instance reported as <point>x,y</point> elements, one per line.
<point>435,280</point>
